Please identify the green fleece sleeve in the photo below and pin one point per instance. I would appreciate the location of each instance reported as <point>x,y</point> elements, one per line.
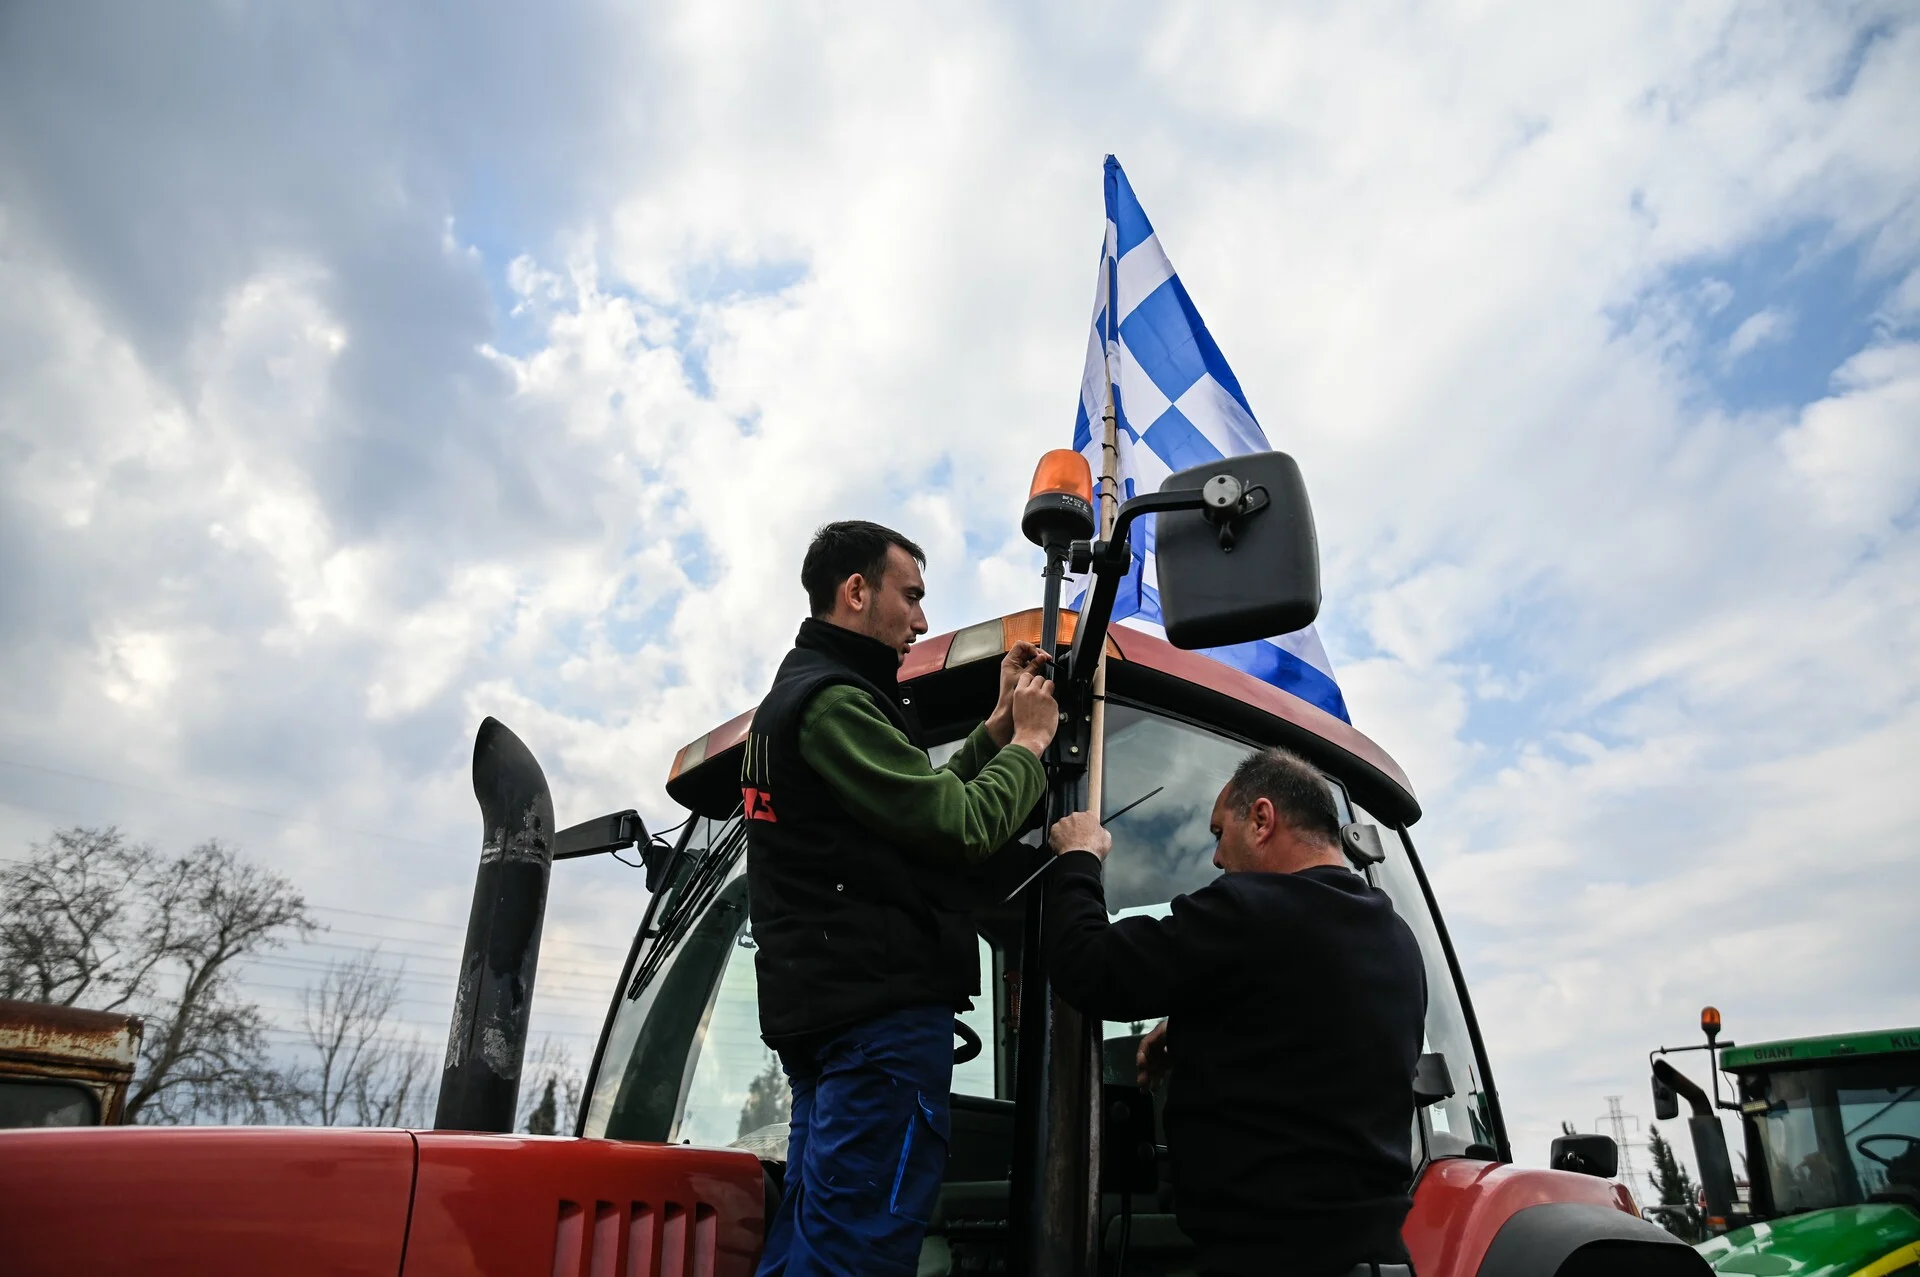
<point>974,753</point>
<point>888,785</point>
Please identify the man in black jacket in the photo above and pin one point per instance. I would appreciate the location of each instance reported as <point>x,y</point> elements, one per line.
<point>1297,1000</point>
<point>860,855</point>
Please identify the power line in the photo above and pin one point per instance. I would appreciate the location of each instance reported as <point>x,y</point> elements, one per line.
<point>387,917</point>
<point>300,1035</point>
<point>448,946</point>
<point>435,948</point>
<point>586,981</point>
<point>598,1003</point>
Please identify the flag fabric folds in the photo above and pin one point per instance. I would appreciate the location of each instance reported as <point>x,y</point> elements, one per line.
<point>1177,404</point>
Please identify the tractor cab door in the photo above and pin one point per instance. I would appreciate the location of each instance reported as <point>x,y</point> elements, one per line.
<point>683,1061</point>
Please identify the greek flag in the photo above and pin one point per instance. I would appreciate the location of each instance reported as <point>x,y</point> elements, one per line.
<point>1176,404</point>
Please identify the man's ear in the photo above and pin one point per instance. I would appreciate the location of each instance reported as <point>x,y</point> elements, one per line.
<point>1264,819</point>
<point>853,592</point>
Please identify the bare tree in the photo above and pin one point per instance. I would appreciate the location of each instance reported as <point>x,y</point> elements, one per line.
<point>204,910</point>
<point>68,921</point>
<point>362,1071</point>
<point>401,1092</point>
<point>90,918</point>
<point>346,1025</point>
<point>550,1073</point>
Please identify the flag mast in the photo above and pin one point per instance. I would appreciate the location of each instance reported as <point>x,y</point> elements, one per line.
<point>1092,1032</point>
<point>1109,498</point>
<point>1054,1207</point>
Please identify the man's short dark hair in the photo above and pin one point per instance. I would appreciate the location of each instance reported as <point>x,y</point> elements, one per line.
<point>1300,795</point>
<point>839,550</point>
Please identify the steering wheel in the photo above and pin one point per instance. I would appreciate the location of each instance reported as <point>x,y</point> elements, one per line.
<point>1910,1143</point>
<point>969,1042</point>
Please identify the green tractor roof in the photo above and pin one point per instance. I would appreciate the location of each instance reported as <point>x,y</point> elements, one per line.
<point>1761,1055</point>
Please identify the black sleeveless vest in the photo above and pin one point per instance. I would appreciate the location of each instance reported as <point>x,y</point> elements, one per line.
<point>847,923</point>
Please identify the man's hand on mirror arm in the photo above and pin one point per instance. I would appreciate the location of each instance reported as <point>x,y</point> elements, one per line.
<point>1021,658</point>
<point>1082,831</point>
<point>1152,1059</point>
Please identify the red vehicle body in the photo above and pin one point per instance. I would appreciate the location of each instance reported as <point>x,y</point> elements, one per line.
<point>642,1188</point>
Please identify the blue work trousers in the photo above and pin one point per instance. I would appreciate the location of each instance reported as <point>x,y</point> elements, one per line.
<point>867,1149</point>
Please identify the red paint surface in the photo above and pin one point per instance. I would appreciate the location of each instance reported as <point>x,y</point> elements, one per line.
<point>203,1201</point>
<point>494,1205</point>
<point>1459,1205</point>
<point>927,656</point>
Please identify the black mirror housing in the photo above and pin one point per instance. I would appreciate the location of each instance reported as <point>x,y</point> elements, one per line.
<point>1432,1080</point>
<point>1595,1155</point>
<point>1232,573</point>
<point>1666,1104</point>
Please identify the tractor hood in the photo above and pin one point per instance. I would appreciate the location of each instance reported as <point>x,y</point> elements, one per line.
<point>1840,1242</point>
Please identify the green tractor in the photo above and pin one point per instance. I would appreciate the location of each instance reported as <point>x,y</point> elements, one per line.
<point>1832,1128</point>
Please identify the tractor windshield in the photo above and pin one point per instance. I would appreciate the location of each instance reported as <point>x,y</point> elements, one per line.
<point>1838,1135</point>
<point>683,1059</point>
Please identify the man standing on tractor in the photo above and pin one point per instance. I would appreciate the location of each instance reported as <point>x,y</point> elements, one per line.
<point>1297,1001</point>
<point>858,856</point>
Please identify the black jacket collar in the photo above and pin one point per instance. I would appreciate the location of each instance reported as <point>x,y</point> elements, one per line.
<point>869,658</point>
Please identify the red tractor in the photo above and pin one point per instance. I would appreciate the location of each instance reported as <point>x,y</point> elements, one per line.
<point>1055,1166</point>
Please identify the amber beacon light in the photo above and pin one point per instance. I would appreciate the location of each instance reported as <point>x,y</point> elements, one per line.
<point>1060,502</point>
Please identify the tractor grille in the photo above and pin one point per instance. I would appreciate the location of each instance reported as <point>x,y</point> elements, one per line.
<point>635,1239</point>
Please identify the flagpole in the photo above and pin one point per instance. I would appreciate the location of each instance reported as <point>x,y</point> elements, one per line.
<point>1091,1241</point>
<point>1054,1212</point>
<point>1109,511</point>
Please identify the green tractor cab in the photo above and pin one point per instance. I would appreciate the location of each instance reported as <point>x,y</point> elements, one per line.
<point>1832,1132</point>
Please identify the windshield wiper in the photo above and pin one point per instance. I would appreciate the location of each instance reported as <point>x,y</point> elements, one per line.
<point>1048,863</point>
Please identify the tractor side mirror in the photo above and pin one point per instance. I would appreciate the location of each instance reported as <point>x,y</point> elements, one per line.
<point>1246,566</point>
<point>656,857</point>
<point>1595,1155</point>
<point>1432,1080</point>
<point>1666,1104</point>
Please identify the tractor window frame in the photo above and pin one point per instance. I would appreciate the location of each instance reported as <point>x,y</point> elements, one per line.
<point>684,924</point>
<point>1473,1104</point>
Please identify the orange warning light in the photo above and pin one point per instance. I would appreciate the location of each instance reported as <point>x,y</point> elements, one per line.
<point>1710,1022</point>
<point>1060,503</point>
<point>1063,470</point>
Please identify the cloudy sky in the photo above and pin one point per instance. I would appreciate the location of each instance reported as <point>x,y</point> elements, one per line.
<point>368,369</point>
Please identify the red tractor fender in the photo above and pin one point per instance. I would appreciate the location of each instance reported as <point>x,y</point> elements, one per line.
<point>241,1201</point>
<point>216,1201</point>
<point>1460,1206</point>
<point>514,1204</point>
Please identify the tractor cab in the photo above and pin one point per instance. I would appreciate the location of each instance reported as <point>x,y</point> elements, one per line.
<point>1831,1121</point>
<point>682,1059</point>
<point>1057,1164</point>
<point>1831,1128</point>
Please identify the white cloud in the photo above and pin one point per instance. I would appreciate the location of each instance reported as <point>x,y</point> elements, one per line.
<point>1860,449</point>
<point>1762,328</point>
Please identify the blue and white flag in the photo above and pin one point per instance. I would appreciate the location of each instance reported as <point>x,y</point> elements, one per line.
<point>1176,404</point>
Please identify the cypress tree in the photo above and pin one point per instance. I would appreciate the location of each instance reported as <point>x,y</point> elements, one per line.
<point>546,1114</point>
<point>1671,1183</point>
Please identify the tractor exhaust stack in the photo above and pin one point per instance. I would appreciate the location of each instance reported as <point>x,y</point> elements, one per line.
<point>487,1040</point>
